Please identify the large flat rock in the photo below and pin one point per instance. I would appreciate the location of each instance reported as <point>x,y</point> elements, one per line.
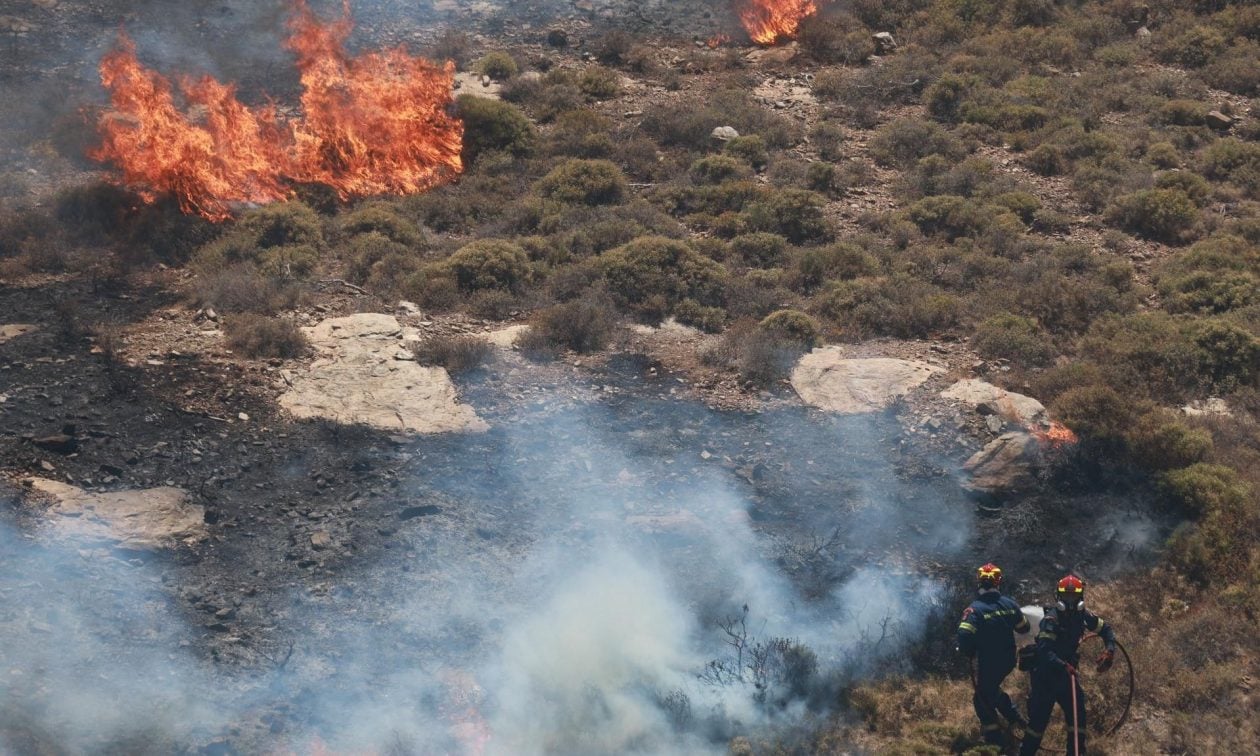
<point>13,330</point>
<point>824,378</point>
<point>1007,464</point>
<point>364,375</point>
<point>151,518</point>
<point>1015,407</point>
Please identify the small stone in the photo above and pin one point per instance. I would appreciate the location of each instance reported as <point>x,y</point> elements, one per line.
<point>1218,121</point>
<point>46,466</point>
<point>993,423</point>
<point>320,539</point>
<point>705,455</point>
<point>725,133</point>
<point>243,417</point>
<point>884,43</point>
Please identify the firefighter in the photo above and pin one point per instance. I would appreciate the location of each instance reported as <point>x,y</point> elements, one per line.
<point>1054,678</point>
<point>987,633</point>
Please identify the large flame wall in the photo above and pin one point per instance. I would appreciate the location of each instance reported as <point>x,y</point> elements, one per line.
<point>371,124</point>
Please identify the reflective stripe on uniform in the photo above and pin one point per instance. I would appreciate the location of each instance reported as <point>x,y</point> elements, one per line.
<point>990,728</point>
<point>967,627</point>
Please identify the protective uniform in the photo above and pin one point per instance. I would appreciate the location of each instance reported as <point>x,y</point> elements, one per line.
<point>986,632</point>
<point>1054,678</point>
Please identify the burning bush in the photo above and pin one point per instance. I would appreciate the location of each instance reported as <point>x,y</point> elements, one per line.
<point>372,124</point>
<point>771,21</point>
<point>262,336</point>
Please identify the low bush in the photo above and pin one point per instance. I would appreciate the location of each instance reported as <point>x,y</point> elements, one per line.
<point>834,38</point>
<point>903,142</point>
<point>93,213</point>
<point>691,124</point>
<point>494,125</point>
<point>384,220</point>
<point>498,65</point>
<point>1215,548</point>
<point>599,83</point>
<point>489,264</point>
<point>950,216</point>
<point>261,336</point>
<point>759,249</point>
<point>653,275</point>
<point>589,182</point>
<point>1161,440</point>
<point>750,148</point>
<point>715,169</point>
<point>841,261</point>
<point>900,306</point>
<point>791,326</point>
<point>1167,215</point>
<point>1215,275</point>
<point>283,240</point>
<point>1096,412</point>
<point>795,214</point>
<point>366,251</point>
<point>457,353</point>
<point>241,288</point>
<point>1014,338</point>
<point>583,325</point>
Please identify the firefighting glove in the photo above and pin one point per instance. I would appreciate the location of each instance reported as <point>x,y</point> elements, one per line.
<point>1105,660</point>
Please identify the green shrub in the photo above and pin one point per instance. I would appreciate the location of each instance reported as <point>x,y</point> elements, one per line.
<point>949,216</point>
<point>945,97</point>
<point>1047,160</point>
<point>795,214</point>
<point>599,83</point>
<point>489,264</point>
<point>1237,70</point>
<point>900,306</point>
<point>759,249</point>
<point>1160,440</point>
<point>706,318</point>
<point>498,65</point>
<point>903,142</point>
<point>589,182</point>
<point>791,326</point>
<point>715,169</point>
<point>1167,215</point>
<point>1215,275</point>
<point>829,138</point>
<point>457,353</point>
<point>1234,160</point>
<point>261,336</point>
<point>841,261</point>
<point>750,148</point>
<point>283,240</point>
<point>1191,184</point>
<point>367,250</point>
<point>1014,338</point>
<point>1192,46</point>
<point>653,275</point>
<point>241,288</point>
<point>833,39</point>
<point>1023,204</point>
<point>1096,412</point>
<point>690,124</point>
<point>384,220</point>
<point>493,125</point>
<point>1203,488</point>
<point>1181,113</point>
<point>1216,547</point>
<point>1163,155</point>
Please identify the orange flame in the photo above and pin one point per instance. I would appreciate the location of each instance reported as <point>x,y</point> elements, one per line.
<point>1056,435</point>
<point>771,21</point>
<point>717,41</point>
<point>230,157</point>
<point>372,124</point>
<point>376,124</point>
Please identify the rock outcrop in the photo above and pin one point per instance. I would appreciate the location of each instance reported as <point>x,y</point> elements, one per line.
<point>151,518</point>
<point>13,330</point>
<point>365,375</point>
<point>824,378</point>
<point>988,398</point>
<point>1007,464</point>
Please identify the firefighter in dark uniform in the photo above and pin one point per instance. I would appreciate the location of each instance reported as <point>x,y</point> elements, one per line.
<point>987,633</point>
<point>1054,679</point>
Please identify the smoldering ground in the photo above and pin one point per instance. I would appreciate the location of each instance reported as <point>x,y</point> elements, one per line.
<point>582,589</point>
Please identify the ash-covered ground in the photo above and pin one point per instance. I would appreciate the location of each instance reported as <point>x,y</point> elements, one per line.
<point>564,582</point>
<point>612,567</point>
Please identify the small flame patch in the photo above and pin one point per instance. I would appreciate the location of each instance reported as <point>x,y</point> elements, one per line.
<point>769,22</point>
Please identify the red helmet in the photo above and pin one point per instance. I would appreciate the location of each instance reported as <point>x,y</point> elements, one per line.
<point>1070,593</point>
<point>989,575</point>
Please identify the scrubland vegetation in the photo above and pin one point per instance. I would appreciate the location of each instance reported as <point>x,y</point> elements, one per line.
<point>1060,197</point>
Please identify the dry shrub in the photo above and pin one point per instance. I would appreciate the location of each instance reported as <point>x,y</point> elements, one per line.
<point>262,336</point>
<point>586,324</point>
<point>459,353</point>
<point>241,288</point>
